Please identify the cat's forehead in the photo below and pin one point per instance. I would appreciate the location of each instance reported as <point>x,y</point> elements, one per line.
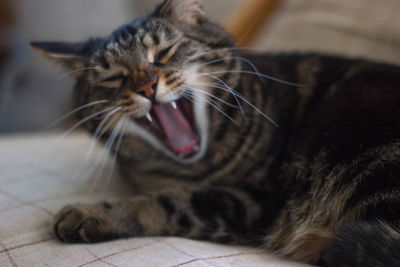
<point>157,32</point>
<point>150,32</point>
<point>135,39</point>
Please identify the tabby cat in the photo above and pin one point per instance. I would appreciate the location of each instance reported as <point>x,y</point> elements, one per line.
<point>220,151</point>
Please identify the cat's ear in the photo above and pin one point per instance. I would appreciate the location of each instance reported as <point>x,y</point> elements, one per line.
<point>69,55</point>
<point>189,11</point>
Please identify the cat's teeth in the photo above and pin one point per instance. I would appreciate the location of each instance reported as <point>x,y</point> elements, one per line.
<point>173,104</point>
<point>149,118</point>
<point>196,148</point>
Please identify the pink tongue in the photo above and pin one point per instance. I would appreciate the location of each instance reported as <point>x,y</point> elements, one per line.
<point>177,129</point>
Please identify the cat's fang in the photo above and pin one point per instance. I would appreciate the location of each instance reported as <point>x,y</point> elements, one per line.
<point>149,118</point>
<point>173,104</point>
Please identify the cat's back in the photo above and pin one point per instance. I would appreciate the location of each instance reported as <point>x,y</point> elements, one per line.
<point>353,108</point>
<point>341,105</point>
<point>340,148</point>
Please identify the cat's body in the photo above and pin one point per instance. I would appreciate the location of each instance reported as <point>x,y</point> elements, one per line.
<point>320,183</point>
<point>335,158</point>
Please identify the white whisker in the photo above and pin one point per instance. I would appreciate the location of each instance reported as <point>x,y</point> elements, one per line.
<point>114,158</point>
<point>103,156</point>
<point>75,71</point>
<point>208,101</point>
<point>69,114</point>
<point>76,125</point>
<point>189,94</point>
<point>259,74</point>
<point>246,48</point>
<point>230,90</point>
<point>96,136</point>
<point>233,57</point>
<point>212,96</point>
<point>228,49</point>
<point>212,85</point>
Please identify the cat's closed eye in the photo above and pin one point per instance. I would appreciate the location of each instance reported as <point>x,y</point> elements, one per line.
<point>163,56</point>
<point>114,81</point>
<point>166,54</point>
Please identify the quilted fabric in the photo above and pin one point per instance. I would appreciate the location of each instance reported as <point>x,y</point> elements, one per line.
<point>37,179</point>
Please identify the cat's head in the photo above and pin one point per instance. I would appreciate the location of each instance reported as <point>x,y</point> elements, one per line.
<point>153,77</point>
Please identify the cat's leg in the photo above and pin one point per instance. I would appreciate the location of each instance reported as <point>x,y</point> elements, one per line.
<point>364,244</point>
<point>219,214</point>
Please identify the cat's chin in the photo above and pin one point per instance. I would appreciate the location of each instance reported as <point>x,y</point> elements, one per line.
<point>177,129</point>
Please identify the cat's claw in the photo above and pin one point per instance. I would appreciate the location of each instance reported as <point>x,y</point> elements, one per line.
<point>82,223</point>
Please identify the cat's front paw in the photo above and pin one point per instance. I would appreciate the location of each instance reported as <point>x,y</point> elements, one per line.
<point>83,223</point>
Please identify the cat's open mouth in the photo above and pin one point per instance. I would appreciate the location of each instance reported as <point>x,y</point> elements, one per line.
<point>173,124</point>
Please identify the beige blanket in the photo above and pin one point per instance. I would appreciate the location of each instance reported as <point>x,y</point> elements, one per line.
<point>37,179</point>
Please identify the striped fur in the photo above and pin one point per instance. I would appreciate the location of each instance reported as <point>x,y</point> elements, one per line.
<point>323,187</point>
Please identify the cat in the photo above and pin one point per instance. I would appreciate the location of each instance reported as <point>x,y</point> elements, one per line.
<point>305,162</point>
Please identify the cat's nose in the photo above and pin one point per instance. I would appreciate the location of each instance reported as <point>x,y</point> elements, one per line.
<point>148,88</point>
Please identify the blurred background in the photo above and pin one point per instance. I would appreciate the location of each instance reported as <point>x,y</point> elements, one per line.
<point>33,92</point>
